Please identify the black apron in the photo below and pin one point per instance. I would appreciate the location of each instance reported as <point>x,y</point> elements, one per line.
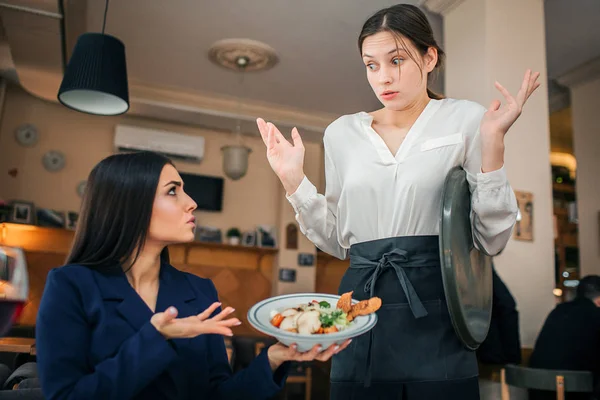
<point>413,351</point>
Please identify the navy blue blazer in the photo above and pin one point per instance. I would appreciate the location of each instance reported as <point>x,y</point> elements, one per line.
<point>94,340</point>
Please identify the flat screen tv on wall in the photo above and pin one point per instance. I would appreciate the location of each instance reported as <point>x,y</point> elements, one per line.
<point>207,191</point>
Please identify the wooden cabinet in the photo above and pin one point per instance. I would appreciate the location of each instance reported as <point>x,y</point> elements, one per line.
<point>566,243</point>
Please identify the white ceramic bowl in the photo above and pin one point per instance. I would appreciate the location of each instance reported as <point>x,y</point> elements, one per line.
<point>259,317</point>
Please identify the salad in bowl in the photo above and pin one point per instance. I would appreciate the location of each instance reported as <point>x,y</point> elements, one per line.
<point>316,317</point>
<point>308,319</point>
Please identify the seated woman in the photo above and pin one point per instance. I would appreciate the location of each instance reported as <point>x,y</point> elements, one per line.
<point>119,322</point>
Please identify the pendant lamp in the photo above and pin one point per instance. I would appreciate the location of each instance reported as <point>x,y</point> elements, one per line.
<point>95,79</point>
<point>241,56</point>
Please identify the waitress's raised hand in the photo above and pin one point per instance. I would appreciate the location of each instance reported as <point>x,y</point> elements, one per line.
<point>500,117</point>
<point>172,327</point>
<point>286,159</point>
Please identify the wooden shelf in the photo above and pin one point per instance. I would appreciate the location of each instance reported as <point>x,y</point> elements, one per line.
<point>569,241</point>
<point>225,246</point>
<point>36,239</point>
<point>561,212</point>
<point>58,241</point>
<point>562,194</point>
<point>564,188</point>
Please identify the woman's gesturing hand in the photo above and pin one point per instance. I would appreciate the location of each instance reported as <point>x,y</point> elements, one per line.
<point>286,159</point>
<point>172,327</point>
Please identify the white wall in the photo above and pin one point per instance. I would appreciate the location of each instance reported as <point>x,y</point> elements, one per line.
<point>488,40</point>
<point>586,141</point>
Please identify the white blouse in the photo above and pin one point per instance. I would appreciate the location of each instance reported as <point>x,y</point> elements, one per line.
<point>373,194</point>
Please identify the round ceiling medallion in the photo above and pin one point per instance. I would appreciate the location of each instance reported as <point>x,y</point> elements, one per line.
<point>243,54</point>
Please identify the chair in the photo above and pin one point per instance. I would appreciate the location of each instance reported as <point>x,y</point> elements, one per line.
<point>21,384</point>
<point>560,381</point>
<point>25,371</point>
<point>298,372</point>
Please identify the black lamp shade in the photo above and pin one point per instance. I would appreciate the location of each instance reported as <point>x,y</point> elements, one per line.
<point>95,80</point>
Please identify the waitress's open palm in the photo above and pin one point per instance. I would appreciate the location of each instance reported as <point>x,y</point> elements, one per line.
<point>172,327</point>
<point>500,117</point>
<point>286,159</point>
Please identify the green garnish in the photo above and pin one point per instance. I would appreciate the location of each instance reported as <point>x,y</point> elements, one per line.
<point>327,320</point>
<point>324,304</point>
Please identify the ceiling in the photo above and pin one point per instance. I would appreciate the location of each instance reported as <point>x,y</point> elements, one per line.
<point>320,67</point>
<point>572,34</point>
<point>572,41</point>
<point>319,75</point>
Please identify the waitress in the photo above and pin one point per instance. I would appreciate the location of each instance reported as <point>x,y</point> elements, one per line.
<point>385,173</point>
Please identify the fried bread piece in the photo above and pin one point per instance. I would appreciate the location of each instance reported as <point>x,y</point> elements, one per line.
<point>364,307</point>
<point>345,302</point>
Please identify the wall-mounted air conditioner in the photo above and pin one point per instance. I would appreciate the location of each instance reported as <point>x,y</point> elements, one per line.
<point>176,146</point>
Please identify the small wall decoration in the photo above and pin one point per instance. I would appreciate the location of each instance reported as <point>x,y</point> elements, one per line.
<point>306,259</point>
<point>287,275</point>
<point>266,236</point>
<point>72,218</point>
<point>22,212</point>
<point>523,229</point>
<point>249,239</point>
<point>5,211</point>
<point>572,212</point>
<point>51,218</point>
<point>291,236</point>
<point>26,135</point>
<point>13,172</point>
<point>80,189</point>
<point>53,161</point>
<point>209,234</point>
<point>233,236</point>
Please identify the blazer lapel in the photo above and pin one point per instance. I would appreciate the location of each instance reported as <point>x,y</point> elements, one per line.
<point>175,290</point>
<point>115,287</point>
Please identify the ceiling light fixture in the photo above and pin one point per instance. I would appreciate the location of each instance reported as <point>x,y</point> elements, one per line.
<point>240,55</point>
<point>95,79</point>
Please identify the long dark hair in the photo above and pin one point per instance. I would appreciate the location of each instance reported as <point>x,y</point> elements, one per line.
<point>405,20</point>
<point>116,211</point>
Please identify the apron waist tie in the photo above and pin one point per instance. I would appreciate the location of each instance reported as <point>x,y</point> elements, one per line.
<point>392,259</point>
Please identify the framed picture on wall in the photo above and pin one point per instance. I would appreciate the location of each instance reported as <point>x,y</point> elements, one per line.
<point>51,218</point>
<point>291,236</point>
<point>266,236</point>
<point>208,234</point>
<point>306,259</point>
<point>249,239</point>
<point>22,212</point>
<point>287,275</point>
<point>523,229</point>
<point>72,218</point>
<point>5,211</point>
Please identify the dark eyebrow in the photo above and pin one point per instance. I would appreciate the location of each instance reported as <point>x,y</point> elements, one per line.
<point>176,183</point>
<point>389,52</point>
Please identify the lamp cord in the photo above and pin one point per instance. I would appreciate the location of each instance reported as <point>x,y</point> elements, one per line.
<point>105,12</point>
